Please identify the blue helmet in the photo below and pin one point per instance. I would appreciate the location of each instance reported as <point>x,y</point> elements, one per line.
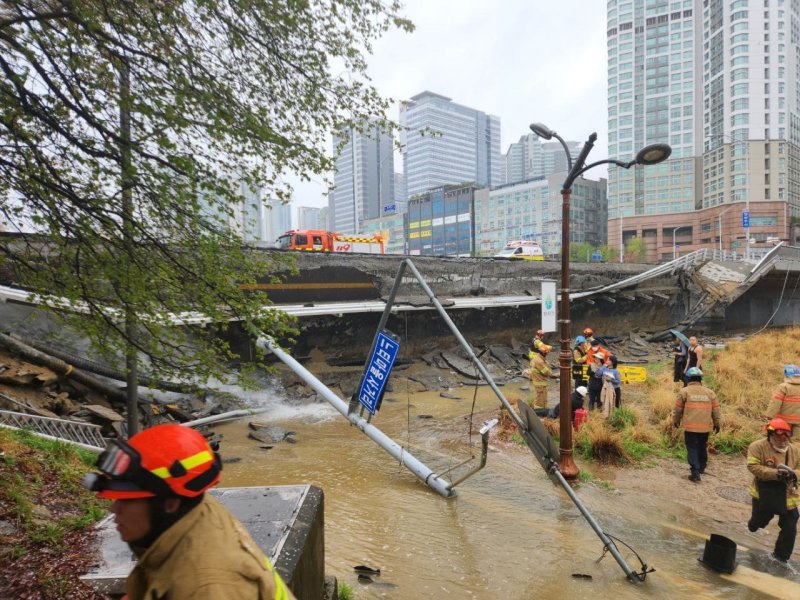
<point>791,371</point>
<point>580,340</point>
<point>694,372</point>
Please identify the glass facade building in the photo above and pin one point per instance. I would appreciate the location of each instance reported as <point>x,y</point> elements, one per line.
<point>439,222</point>
<point>530,157</point>
<point>447,143</point>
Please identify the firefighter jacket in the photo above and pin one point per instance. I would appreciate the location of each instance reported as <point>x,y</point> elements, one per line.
<point>206,555</point>
<point>579,356</point>
<point>539,369</point>
<point>697,407</point>
<point>762,462</point>
<point>785,402</point>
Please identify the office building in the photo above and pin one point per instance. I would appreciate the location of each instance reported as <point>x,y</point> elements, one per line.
<point>531,210</point>
<point>363,178</point>
<point>310,217</point>
<point>718,82</point>
<point>445,143</point>
<point>530,158</point>
<point>439,222</point>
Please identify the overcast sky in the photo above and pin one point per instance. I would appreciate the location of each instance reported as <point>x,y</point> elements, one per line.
<point>522,60</point>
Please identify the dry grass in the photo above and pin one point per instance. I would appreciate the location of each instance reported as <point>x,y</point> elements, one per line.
<point>600,442</point>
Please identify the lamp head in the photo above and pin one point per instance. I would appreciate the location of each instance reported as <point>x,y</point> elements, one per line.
<point>543,131</point>
<point>653,154</point>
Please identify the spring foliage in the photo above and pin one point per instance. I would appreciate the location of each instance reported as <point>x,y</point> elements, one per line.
<point>222,97</point>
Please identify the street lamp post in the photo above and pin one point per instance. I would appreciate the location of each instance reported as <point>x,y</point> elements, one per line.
<point>719,226</point>
<point>649,155</point>
<point>674,247</point>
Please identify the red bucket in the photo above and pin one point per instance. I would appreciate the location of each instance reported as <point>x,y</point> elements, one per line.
<point>580,418</point>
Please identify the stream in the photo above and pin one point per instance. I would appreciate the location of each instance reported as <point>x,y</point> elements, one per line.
<point>509,533</point>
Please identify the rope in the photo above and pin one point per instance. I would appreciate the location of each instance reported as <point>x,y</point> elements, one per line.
<point>641,575</point>
<point>780,301</point>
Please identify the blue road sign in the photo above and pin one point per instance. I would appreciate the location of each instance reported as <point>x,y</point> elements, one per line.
<point>390,209</point>
<point>378,370</point>
<point>597,257</point>
<point>745,218</point>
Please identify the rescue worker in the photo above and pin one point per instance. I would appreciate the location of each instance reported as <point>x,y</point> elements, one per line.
<point>187,544</point>
<point>538,340</point>
<point>785,402</point>
<point>588,333</point>
<point>774,462</point>
<point>697,408</point>
<point>576,402</point>
<point>579,357</point>
<point>540,374</point>
<point>694,355</point>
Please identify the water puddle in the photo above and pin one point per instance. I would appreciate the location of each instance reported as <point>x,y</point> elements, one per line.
<point>508,534</point>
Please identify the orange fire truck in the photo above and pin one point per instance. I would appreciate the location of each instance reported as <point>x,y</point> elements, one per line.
<point>317,240</point>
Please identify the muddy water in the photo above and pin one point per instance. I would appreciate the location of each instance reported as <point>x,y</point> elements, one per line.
<point>508,534</point>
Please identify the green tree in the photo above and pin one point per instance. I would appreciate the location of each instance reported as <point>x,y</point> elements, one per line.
<point>580,252</point>
<point>636,249</point>
<point>128,131</point>
<point>610,253</point>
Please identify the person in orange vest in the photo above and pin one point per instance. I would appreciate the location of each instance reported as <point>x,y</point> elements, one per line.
<point>775,464</point>
<point>588,333</point>
<point>785,401</point>
<point>188,545</point>
<point>697,409</point>
<point>540,373</point>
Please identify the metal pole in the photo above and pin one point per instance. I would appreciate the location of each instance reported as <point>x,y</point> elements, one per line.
<point>621,240</point>
<point>566,463</point>
<point>428,477</point>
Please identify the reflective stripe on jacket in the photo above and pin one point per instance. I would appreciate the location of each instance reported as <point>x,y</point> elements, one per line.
<point>539,369</point>
<point>579,357</point>
<point>697,408</point>
<point>762,462</point>
<point>785,401</point>
<point>206,555</point>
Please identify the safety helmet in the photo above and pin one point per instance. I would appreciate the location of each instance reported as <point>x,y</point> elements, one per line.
<point>539,333</point>
<point>791,371</point>
<point>778,425</point>
<point>588,331</point>
<point>580,340</point>
<point>165,460</point>
<point>581,389</point>
<point>694,372</point>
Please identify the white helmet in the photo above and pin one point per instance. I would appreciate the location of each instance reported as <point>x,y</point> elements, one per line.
<point>581,389</point>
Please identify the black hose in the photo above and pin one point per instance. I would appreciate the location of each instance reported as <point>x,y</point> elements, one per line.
<point>98,369</point>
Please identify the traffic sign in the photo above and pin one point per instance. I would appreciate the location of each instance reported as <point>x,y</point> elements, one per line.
<point>745,218</point>
<point>379,367</point>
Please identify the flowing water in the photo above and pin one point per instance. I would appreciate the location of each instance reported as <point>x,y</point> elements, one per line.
<point>508,534</point>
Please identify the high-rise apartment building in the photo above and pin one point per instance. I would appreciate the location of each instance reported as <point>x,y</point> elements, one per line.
<point>529,158</point>
<point>717,80</point>
<point>446,143</point>
<point>364,177</point>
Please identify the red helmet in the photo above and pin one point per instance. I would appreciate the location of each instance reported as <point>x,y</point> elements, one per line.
<point>539,333</point>
<point>778,425</point>
<point>588,331</point>
<point>166,460</point>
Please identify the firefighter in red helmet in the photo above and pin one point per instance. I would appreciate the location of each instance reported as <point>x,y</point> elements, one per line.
<point>157,481</point>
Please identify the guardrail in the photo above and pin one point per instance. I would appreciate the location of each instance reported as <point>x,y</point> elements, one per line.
<point>85,435</point>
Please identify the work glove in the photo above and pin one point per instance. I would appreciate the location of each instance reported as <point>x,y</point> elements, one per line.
<point>716,428</point>
<point>784,472</point>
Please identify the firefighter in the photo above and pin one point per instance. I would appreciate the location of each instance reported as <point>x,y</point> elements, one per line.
<point>579,358</point>
<point>187,544</point>
<point>774,462</point>
<point>540,374</point>
<point>697,408</point>
<point>538,340</point>
<point>785,402</point>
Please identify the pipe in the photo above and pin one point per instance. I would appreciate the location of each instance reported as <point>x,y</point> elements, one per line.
<point>226,416</point>
<point>428,477</point>
<point>97,368</point>
<point>61,367</point>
